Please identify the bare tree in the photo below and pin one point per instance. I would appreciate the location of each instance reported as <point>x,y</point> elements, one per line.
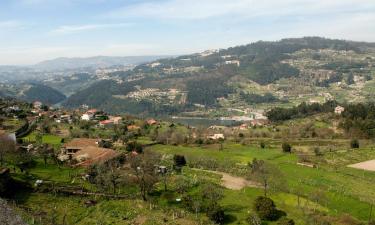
<point>7,145</point>
<point>269,176</point>
<point>46,151</point>
<point>144,168</point>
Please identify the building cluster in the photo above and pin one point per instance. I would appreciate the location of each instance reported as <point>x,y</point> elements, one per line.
<point>85,151</point>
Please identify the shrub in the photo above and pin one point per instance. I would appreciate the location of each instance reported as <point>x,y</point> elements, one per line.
<point>354,143</point>
<point>265,208</point>
<point>253,219</point>
<point>286,147</point>
<point>285,221</point>
<point>216,214</point>
<point>317,151</point>
<point>262,145</point>
<point>134,146</point>
<point>199,141</point>
<point>179,160</point>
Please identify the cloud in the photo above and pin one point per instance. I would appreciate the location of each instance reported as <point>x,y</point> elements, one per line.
<point>204,9</point>
<point>67,29</point>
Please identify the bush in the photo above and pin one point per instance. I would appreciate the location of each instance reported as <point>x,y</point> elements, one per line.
<point>253,219</point>
<point>199,141</point>
<point>285,221</point>
<point>286,147</point>
<point>262,145</point>
<point>216,214</point>
<point>134,146</point>
<point>265,208</point>
<point>354,143</point>
<point>179,160</point>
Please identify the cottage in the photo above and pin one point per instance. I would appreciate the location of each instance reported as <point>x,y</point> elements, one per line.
<point>233,62</point>
<point>92,111</point>
<point>86,152</point>
<point>115,119</point>
<point>244,126</point>
<point>339,110</point>
<point>66,118</point>
<point>78,143</point>
<point>152,122</point>
<point>259,122</point>
<point>37,105</point>
<point>133,127</point>
<point>216,137</point>
<point>106,123</point>
<point>86,117</point>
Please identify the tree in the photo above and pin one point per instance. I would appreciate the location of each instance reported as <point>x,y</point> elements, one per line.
<point>286,147</point>
<point>23,160</point>
<point>265,208</point>
<point>7,145</point>
<point>134,146</point>
<point>216,214</point>
<point>262,145</point>
<point>179,160</point>
<point>143,166</point>
<point>46,151</point>
<point>319,197</point>
<point>212,194</point>
<point>350,79</point>
<point>107,176</point>
<point>354,143</point>
<point>39,139</point>
<point>45,126</point>
<point>182,184</point>
<point>267,175</point>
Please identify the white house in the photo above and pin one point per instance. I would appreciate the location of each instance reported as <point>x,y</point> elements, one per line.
<point>216,137</point>
<point>86,117</point>
<point>339,110</point>
<point>37,105</point>
<point>235,62</point>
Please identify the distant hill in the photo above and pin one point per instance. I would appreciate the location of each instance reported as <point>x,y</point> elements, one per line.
<point>92,62</point>
<point>260,74</point>
<point>45,94</point>
<point>32,92</point>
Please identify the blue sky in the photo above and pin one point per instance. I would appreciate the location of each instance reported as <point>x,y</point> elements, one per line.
<point>36,30</point>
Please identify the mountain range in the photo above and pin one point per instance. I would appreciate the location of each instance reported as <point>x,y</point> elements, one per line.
<point>92,62</point>
<point>259,75</point>
<point>221,82</point>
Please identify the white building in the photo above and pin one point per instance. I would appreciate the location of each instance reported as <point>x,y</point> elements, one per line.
<point>216,137</point>
<point>86,117</point>
<point>233,62</point>
<point>339,110</point>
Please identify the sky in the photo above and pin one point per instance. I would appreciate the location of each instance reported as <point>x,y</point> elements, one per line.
<point>35,30</point>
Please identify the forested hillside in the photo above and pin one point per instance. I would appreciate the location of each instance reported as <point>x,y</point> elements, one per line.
<point>290,71</point>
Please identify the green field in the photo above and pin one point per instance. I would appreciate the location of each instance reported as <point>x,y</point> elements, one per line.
<point>348,191</point>
<point>46,139</point>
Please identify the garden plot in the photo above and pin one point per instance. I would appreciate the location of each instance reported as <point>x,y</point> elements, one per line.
<point>367,165</point>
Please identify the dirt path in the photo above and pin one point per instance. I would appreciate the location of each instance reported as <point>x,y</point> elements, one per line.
<point>367,165</point>
<point>233,182</point>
